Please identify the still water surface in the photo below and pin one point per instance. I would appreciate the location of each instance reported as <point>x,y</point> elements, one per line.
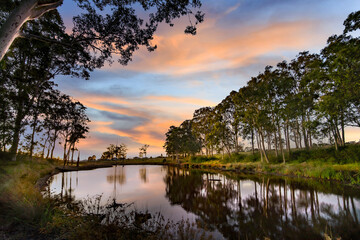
<point>226,205</point>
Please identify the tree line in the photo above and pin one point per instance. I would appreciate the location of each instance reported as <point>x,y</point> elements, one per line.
<point>295,104</point>
<point>34,48</point>
<point>34,114</point>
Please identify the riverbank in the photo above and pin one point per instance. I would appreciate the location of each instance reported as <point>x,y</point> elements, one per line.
<point>348,174</point>
<point>27,214</point>
<point>24,211</point>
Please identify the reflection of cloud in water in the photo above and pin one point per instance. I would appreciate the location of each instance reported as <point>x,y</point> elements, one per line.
<point>228,205</point>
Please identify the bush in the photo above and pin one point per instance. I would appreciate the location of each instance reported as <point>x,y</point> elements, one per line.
<point>233,158</point>
<point>200,159</point>
<point>252,157</point>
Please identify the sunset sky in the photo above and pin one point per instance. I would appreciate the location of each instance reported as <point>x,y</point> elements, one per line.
<point>137,104</point>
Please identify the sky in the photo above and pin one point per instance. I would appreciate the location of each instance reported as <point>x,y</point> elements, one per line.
<point>136,104</point>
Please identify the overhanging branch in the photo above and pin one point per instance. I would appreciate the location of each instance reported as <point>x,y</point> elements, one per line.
<point>42,8</point>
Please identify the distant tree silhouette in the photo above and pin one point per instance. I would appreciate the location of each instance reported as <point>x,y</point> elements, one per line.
<point>143,150</point>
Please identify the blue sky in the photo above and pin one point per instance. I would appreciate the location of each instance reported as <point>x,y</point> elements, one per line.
<point>136,104</point>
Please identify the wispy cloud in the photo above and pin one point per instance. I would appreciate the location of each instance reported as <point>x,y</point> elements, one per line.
<point>218,49</point>
<point>136,104</point>
<point>184,100</point>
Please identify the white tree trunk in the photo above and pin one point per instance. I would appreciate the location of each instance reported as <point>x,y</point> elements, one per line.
<point>27,10</point>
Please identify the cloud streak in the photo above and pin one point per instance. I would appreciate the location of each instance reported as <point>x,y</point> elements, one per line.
<point>137,104</point>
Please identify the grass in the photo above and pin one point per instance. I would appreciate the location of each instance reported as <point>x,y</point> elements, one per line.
<point>27,214</point>
<point>321,163</point>
<point>24,211</point>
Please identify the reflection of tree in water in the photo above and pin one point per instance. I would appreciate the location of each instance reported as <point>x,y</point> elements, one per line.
<point>117,174</point>
<point>277,208</point>
<point>67,192</point>
<point>143,176</point>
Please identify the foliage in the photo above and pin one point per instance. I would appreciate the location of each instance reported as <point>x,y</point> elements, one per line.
<point>105,28</point>
<point>31,109</point>
<point>292,107</point>
<point>117,151</point>
<point>200,159</point>
<point>182,140</point>
<point>143,150</point>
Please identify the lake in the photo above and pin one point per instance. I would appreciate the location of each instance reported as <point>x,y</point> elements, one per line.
<point>224,205</point>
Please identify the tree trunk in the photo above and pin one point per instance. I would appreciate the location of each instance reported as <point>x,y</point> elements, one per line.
<point>32,142</point>
<point>26,10</point>
<point>288,138</point>
<point>259,146</point>
<point>295,138</point>
<point>263,146</point>
<point>280,144</point>
<point>45,142</point>
<point>65,157</point>
<point>54,144</point>
<point>17,129</point>
<point>335,139</point>
<point>306,143</point>
<point>68,154</point>
<point>343,129</point>
<point>252,141</point>
<point>276,144</point>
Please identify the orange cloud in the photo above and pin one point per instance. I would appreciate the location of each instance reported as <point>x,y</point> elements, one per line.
<point>194,101</point>
<point>216,49</point>
<point>152,133</point>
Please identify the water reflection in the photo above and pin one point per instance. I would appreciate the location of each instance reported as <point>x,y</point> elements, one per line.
<point>228,205</point>
<point>142,174</point>
<point>116,174</point>
<point>255,208</point>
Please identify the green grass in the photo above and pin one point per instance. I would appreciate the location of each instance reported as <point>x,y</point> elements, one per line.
<point>24,211</point>
<point>320,163</point>
<point>27,214</point>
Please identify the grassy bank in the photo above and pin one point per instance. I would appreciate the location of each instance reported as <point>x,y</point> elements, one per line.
<point>321,163</point>
<point>27,214</point>
<point>24,212</point>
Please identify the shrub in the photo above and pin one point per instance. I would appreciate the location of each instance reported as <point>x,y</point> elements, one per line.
<point>200,159</point>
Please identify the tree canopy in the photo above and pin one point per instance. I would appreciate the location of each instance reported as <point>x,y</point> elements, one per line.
<point>103,27</point>
<point>302,103</point>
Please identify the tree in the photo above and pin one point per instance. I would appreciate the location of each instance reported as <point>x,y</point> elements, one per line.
<point>182,140</point>
<point>201,127</point>
<point>26,72</point>
<point>74,126</point>
<point>339,100</point>
<point>143,150</point>
<point>116,30</point>
<point>119,151</point>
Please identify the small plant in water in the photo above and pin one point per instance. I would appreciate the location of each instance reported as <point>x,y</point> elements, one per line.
<point>92,219</point>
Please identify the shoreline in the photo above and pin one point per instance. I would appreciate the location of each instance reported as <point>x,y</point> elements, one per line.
<point>241,168</point>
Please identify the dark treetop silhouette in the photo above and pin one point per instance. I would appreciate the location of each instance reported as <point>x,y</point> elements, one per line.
<point>104,27</point>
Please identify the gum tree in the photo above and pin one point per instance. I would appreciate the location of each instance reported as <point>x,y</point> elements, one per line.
<point>104,27</point>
